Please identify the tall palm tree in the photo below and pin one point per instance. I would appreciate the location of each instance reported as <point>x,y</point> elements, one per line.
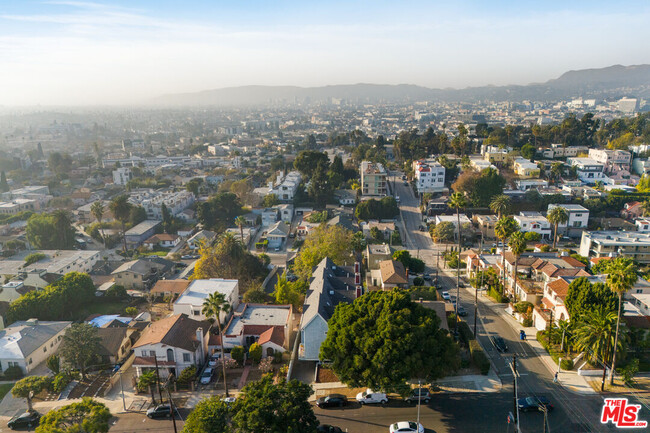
<point>595,334</point>
<point>213,306</point>
<point>556,216</point>
<point>121,210</point>
<point>500,205</point>
<point>504,228</point>
<point>241,222</point>
<point>565,328</point>
<point>621,277</point>
<point>517,246</point>
<point>97,209</point>
<point>457,200</point>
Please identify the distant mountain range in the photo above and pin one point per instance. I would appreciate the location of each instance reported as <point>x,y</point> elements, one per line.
<point>610,82</point>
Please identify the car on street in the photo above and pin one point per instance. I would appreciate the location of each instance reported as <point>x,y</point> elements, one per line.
<point>461,311</point>
<point>370,397</point>
<point>528,404</point>
<point>500,344</point>
<point>160,411</point>
<point>206,377</point>
<point>25,419</point>
<point>445,296</point>
<point>404,177</point>
<point>423,395</point>
<point>186,257</point>
<point>326,428</point>
<point>427,277</point>
<point>406,427</point>
<point>406,183</point>
<point>332,400</point>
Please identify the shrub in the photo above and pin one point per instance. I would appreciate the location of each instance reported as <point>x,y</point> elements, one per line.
<point>116,291</point>
<point>33,258</point>
<point>630,370</point>
<point>187,375</point>
<point>479,358</point>
<point>545,248</point>
<point>59,382</point>
<point>427,293</point>
<point>237,353</point>
<point>277,357</point>
<point>566,364</point>
<point>266,365</point>
<point>418,281</point>
<point>522,307</point>
<point>497,296</point>
<point>13,373</point>
<point>466,334</point>
<point>528,322</point>
<point>532,237</point>
<point>255,353</point>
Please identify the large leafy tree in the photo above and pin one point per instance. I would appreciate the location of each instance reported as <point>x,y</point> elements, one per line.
<point>584,297</point>
<point>213,306</point>
<point>87,416</point>
<point>325,241</point>
<point>268,407</point>
<point>319,189</point>
<point>556,216</point>
<point>80,346</point>
<point>307,161</point>
<point>28,387</point>
<point>383,339</point>
<point>481,187</point>
<point>121,210</point>
<point>210,415</point>
<point>443,232</point>
<point>219,211</point>
<point>622,276</point>
<point>51,231</point>
<point>386,208</point>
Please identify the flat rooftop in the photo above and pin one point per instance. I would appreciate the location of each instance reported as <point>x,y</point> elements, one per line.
<point>257,314</point>
<point>199,290</point>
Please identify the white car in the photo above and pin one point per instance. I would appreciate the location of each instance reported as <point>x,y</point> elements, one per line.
<point>445,296</point>
<point>206,377</point>
<point>406,427</point>
<point>369,397</point>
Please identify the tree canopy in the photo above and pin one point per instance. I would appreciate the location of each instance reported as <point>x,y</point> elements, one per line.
<point>51,231</point>
<point>219,211</point>
<point>87,416</point>
<point>383,339</point>
<point>333,241</point>
<point>481,187</point>
<point>307,161</point>
<point>583,297</point>
<point>80,346</point>
<point>386,208</point>
<point>210,415</point>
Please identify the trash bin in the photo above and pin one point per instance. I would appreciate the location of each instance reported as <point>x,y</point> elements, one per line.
<point>522,335</point>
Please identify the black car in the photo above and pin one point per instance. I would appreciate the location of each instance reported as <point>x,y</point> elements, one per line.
<point>160,411</point>
<point>421,394</point>
<point>26,419</point>
<point>528,404</point>
<point>332,400</point>
<point>500,344</point>
<point>427,277</point>
<point>461,311</point>
<point>326,428</point>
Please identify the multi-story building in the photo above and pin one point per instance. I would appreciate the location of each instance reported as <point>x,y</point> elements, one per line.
<point>287,186</point>
<point>613,243</point>
<point>18,205</point>
<point>122,175</point>
<point>58,262</point>
<point>190,302</point>
<point>526,169</point>
<point>589,171</point>
<point>373,179</point>
<point>526,184</point>
<point>152,201</point>
<point>494,154</point>
<point>560,151</point>
<point>429,176</point>
<point>578,218</point>
<point>534,222</point>
<point>612,160</point>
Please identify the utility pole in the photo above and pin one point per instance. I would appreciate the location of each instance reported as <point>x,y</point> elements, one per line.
<point>515,412</point>
<point>607,350</point>
<point>155,358</point>
<point>550,329</point>
<point>480,251</point>
<point>419,399</point>
<point>171,407</point>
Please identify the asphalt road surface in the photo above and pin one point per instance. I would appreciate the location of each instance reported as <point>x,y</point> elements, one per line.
<point>137,422</point>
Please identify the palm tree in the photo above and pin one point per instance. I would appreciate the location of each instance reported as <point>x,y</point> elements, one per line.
<point>62,223</point>
<point>457,200</point>
<point>121,210</point>
<point>213,306</point>
<point>564,327</point>
<point>241,222</point>
<point>621,277</point>
<point>594,335</point>
<point>500,205</point>
<point>97,209</point>
<point>517,246</point>
<point>504,228</point>
<point>556,216</point>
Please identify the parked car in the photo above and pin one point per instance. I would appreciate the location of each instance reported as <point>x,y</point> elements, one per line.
<point>332,400</point>
<point>406,427</point>
<point>461,311</point>
<point>423,395</point>
<point>423,229</point>
<point>206,377</point>
<point>25,419</point>
<point>186,257</point>
<point>406,183</point>
<point>326,428</point>
<point>404,177</point>
<point>445,296</point>
<point>427,277</point>
<point>214,359</point>
<point>500,344</point>
<point>369,397</point>
<point>528,404</point>
<point>160,411</point>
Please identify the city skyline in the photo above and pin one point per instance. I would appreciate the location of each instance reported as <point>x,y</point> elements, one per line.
<point>83,53</point>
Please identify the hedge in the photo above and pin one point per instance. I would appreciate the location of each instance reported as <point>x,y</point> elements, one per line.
<point>466,334</point>
<point>497,296</point>
<point>566,364</point>
<point>478,357</point>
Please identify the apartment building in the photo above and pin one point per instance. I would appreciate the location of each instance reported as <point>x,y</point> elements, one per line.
<point>152,201</point>
<point>373,179</point>
<point>287,186</point>
<point>122,175</point>
<point>589,170</point>
<point>613,243</point>
<point>535,222</point>
<point>612,160</point>
<point>429,176</point>
<point>578,217</point>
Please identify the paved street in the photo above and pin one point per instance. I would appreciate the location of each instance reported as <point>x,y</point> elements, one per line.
<point>136,422</point>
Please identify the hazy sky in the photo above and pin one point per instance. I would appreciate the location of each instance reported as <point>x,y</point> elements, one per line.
<point>74,52</point>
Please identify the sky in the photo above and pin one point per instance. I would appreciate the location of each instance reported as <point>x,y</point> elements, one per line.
<point>128,52</point>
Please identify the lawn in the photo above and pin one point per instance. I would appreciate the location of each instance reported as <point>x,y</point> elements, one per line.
<point>4,389</point>
<point>112,307</point>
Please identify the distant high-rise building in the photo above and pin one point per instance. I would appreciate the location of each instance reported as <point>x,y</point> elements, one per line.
<point>628,105</point>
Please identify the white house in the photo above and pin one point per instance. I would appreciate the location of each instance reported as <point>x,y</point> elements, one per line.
<point>429,176</point>
<point>190,302</point>
<point>202,237</point>
<point>250,321</point>
<point>28,343</point>
<point>589,171</point>
<point>121,175</point>
<point>175,342</point>
<point>578,217</point>
<point>642,225</point>
<point>534,222</point>
<point>277,234</point>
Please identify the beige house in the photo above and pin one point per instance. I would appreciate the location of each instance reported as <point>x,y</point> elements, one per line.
<point>141,274</point>
<point>390,274</point>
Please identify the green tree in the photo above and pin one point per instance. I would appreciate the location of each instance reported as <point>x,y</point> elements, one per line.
<point>284,292</point>
<point>270,200</point>
<point>358,242</point>
<point>87,416</point>
<point>319,187</point>
<point>131,311</point>
<point>457,200</point>
<point>386,208</point>
<point>500,205</point>
<point>528,151</point>
<point>240,222</point>
<point>376,235</point>
<point>443,232</point>
<point>54,363</point>
<point>622,276</point>
<point>80,346</point>
<point>583,297</point>
<point>28,387</point>
<point>324,241</point>
<point>237,353</point>
<point>97,209</point>
<point>121,210</point>
<point>268,407</point>
<point>504,228</point>
<point>146,381</point>
<point>193,186</point>
<point>219,211</point>
<point>50,231</point>
<point>166,218</point>
<point>595,334</point>
<point>556,216</point>
<point>307,161</point>
<point>213,306</point>
<point>210,415</point>
<point>383,339</point>
<point>517,245</point>
<point>255,353</point>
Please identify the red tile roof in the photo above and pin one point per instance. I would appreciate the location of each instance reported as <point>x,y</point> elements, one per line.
<point>274,335</point>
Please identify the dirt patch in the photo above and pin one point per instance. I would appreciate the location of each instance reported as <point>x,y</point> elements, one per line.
<point>326,375</point>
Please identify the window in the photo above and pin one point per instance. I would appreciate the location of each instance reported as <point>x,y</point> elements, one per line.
<point>639,290</point>
<point>186,357</point>
<point>195,312</point>
<point>44,348</point>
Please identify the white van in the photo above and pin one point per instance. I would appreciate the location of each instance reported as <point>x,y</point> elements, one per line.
<point>370,397</point>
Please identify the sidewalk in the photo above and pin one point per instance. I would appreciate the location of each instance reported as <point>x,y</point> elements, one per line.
<point>570,380</point>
